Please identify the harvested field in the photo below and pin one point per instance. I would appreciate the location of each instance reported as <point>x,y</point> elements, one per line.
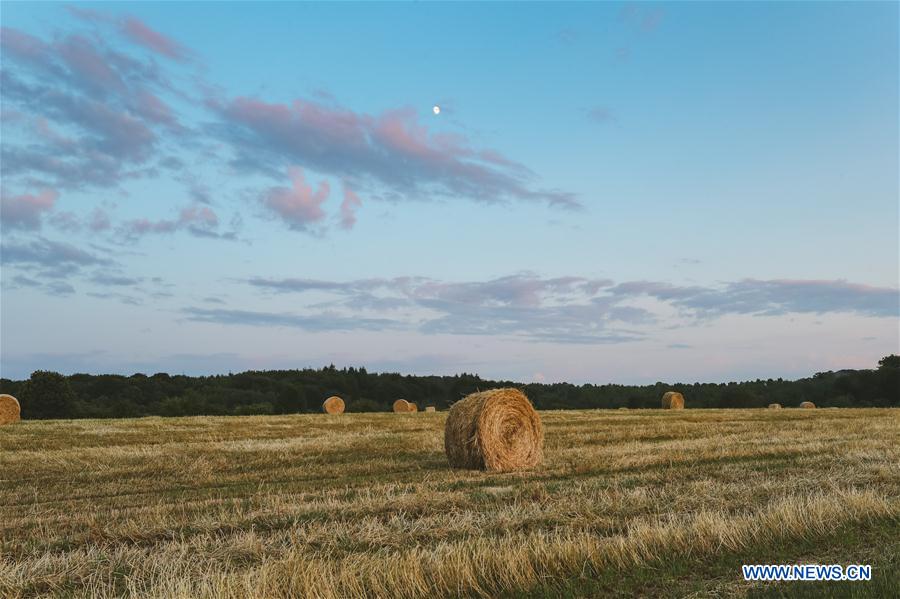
<point>637,502</point>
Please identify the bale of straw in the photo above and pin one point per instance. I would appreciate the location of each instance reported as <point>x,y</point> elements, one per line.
<point>774,406</point>
<point>9,409</point>
<point>413,407</point>
<point>672,400</point>
<point>401,406</point>
<point>430,409</point>
<point>333,405</point>
<point>807,405</point>
<point>496,430</point>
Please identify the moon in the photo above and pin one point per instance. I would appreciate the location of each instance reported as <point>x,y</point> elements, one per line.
<point>436,109</point>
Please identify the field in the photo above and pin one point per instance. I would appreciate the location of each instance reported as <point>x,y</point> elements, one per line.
<point>628,503</point>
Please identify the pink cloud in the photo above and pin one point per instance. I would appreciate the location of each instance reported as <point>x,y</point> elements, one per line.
<point>25,211</point>
<point>91,67</point>
<point>394,151</point>
<point>202,216</point>
<point>349,207</point>
<point>143,226</point>
<point>298,205</point>
<point>141,34</point>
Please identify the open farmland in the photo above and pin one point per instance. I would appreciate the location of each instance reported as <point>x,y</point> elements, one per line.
<point>642,502</point>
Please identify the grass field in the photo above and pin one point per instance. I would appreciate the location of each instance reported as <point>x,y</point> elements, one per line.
<point>628,503</point>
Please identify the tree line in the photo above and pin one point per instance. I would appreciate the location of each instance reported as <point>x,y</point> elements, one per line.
<point>49,394</point>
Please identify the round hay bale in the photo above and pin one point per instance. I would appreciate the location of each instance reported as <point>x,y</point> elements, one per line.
<point>401,406</point>
<point>430,409</point>
<point>9,409</point>
<point>413,407</point>
<point>807,405</point>
<point>774,406</point>
<point>333,405</point>
<point>495,430</point>
<point>672,400</point>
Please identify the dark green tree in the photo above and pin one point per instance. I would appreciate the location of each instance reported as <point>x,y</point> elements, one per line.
<point>47,394</point>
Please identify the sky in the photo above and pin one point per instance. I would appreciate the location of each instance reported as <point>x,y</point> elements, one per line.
<point>612,192</point>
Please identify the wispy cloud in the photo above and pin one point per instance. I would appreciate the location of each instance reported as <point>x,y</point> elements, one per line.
<point>573,310</point>
<point>298,205</point>
<point>25,211</point>
<point>345,144</point>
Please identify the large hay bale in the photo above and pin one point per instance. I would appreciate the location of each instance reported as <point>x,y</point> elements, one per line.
<point>413,407</point>
<point>9,409</point>
<point>401,406</point>
<point>774,406</point>
<point>807,405</point>
<point>430,409</point>
<point>495,430</point>
<point>333,405</point>
<point>672,400</point>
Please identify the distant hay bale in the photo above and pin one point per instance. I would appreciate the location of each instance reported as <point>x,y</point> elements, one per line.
<point>774,406</point>
<point>496,430</point>
<point>413,407</point>
<point>9,409</point>
<point>672,400</point>
<point>807,405</point>
<point>401,406</point>
<point>430,409</point>
<point>333,405</point>
<point>623,408</point>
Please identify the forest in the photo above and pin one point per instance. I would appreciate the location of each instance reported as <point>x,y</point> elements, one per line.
<point>49,394</point>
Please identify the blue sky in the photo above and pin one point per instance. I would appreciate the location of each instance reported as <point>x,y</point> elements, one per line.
<point>611,193</point>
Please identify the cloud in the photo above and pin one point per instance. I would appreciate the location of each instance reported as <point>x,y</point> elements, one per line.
<point>26,210</point>
<point>109,104</point>
<point>197,219</point>
<point>772,297</point>
<point>86,112</point>
<point>349,207</point>
<point>298,206</point>
<point>310,322</point>
<point>52,254</point>
<point>114,280</point>
<point>53,288</point>
<point>99,220</point>
<point>138,32</point>
<point>562,309</point>
<point>573,310</point>
<point>339,142</point>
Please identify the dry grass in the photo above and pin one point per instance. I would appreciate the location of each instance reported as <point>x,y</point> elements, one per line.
<point>9,409</point>
<point>365,505</point>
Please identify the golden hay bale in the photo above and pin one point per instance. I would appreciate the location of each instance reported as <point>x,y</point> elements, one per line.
<point>413,407</point>
<point>430,409</point>
<point>401,406</point>
<point>774,406</point>
<point>9,409</point>
<point>807,405</point>
<point>495,430</point>
<point>333,405</point>
<point>672,400</point>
